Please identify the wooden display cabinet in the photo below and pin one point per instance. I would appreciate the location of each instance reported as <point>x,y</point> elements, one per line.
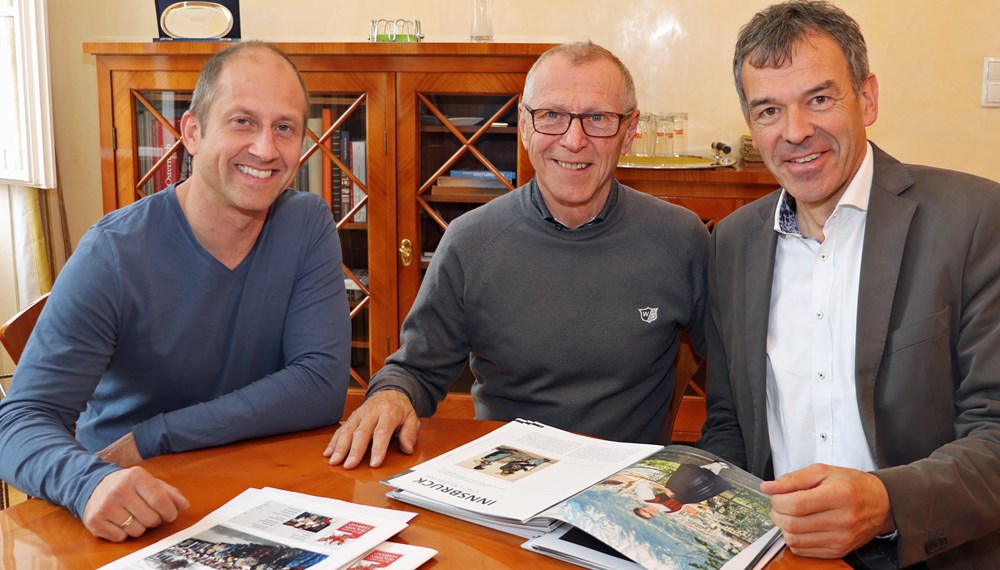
<point>415,112</point>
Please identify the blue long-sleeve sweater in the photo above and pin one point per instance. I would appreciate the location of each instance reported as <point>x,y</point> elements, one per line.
<point>146,332</point>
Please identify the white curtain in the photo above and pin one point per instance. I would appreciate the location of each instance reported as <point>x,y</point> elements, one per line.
<point>31,244</point>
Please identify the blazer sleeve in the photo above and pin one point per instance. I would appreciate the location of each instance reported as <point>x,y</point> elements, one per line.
<point>950,495</point>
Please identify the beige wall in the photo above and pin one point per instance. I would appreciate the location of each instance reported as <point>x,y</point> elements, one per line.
<point>928,55</point>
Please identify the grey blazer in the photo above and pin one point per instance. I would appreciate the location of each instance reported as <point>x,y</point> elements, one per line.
<point>928,354</point>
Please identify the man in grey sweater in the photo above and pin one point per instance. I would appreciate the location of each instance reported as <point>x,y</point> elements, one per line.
<point>567,296</point>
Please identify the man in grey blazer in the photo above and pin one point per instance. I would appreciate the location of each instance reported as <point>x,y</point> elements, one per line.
<point>854,334</point>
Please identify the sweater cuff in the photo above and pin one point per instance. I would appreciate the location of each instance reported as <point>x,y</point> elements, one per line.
<point>151,437</point>
<point>92,481</point>
<point>373,389</point>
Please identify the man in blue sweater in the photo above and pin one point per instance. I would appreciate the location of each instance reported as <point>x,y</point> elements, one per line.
<point>566,296</point>
<point>209,312</point>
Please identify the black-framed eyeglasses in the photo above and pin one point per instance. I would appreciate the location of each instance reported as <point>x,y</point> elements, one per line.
<point>553,122</point>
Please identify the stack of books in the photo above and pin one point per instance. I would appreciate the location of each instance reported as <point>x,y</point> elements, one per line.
<point>750,154</point>
<point>473,182</point>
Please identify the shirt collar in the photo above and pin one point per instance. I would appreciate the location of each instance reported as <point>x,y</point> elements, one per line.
<point>539,203</point>
<point>856,196</point>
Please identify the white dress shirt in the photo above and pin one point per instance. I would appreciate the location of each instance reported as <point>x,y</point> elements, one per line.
<point>812,405</point>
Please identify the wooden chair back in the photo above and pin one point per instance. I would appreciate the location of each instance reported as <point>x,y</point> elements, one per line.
<point>14,335</point>
<point>689,372</point>
<point>15,332</point>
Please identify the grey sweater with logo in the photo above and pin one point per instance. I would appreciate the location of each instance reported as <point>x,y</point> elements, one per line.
<point>577,329</point>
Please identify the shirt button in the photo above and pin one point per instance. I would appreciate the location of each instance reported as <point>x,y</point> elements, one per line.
<point>823,256</point>
<point>823,436</point>
<point>821,375</point>
<point>819,314</point>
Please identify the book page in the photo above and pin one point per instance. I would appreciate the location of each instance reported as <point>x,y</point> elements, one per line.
<point>263,530</point>
<point>518,470</point>
<point>393,556</point>
<point>680,508</point>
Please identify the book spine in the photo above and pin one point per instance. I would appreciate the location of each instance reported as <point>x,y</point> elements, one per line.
<point>172,167</point>
<point>508,174</point>
<point>359,166</point>
<point>346,189</point>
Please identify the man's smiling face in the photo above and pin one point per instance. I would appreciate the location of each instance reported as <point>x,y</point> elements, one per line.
<point>246,149</point>
<point>808,122</point>
<point>574,171</point>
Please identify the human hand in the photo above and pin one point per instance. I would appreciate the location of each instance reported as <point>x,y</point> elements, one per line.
<point>827,512</point>
<point>122,452</point>
<point>385,414</point>
<point>128,502</point>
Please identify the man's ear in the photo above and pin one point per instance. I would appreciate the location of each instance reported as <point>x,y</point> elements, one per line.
<point>631,125</point>
<point>190,132</point>
<point>524,126</point>
<point>869,98</point>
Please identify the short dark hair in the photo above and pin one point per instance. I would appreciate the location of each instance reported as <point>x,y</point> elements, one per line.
<point>770,37</point>
<point>206,89</point>
<point>580,53</point>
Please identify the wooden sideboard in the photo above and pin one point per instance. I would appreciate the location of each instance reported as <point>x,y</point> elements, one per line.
<point>711,193</point>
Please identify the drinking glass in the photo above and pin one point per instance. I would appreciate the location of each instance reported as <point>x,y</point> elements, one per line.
<point>482,21</point>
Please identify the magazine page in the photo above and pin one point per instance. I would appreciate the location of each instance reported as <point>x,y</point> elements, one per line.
<point>678,509</point>
<point>393,556</point>
<point>267,530</point>
<point>570,544</point>
<point>376,512</point>
<point>518,470</point>
<point>532,528</point>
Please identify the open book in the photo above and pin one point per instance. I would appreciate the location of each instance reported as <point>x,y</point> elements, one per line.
<point>598,503</point>
<point>271,528</point>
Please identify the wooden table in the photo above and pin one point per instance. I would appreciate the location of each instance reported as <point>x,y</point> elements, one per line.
<point>35,534</point>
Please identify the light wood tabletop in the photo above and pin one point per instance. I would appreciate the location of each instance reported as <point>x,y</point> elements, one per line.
<point>36,534</point>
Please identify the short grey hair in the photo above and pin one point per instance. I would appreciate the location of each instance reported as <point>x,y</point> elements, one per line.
<point>580,53</point>
<point>770,37</point>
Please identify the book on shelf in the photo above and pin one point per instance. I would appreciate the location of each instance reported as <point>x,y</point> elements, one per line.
<point>492,182</point>
<point>330,177</point>
<point>274,528</point>
<point>481,173</point>
<point>346,184</point>
<point>635,505</point>
<point>155,140</point>
<point>359,166</point>
<point>468,191</point>
<point>170,172</point>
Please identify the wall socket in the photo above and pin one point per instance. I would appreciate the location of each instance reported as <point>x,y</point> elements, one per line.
<point>991,82</point>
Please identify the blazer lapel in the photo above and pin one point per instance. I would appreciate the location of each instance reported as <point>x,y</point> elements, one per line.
<point>886,227</point>
<point>761,240</point>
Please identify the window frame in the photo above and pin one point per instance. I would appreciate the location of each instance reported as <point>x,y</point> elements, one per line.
<point>31,62</point>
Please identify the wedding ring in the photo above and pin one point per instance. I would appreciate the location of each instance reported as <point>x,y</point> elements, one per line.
<point>128,521</point>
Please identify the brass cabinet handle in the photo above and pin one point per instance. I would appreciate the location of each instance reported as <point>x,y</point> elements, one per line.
<point>406,252</point>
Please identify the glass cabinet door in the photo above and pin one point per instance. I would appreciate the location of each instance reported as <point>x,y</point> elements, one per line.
<point>458,149</point>
<point>149,155</point>
<point>161,159</point>
<point>344,162</point>
<point>341,161</point>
